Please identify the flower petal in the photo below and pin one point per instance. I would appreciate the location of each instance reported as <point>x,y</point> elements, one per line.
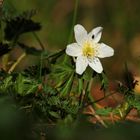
<point>95,34</point>
<point>96,65</point>
<point>104,51</point>
<point>80,33</point>
<point>81,64</point>
<point>73,49</point>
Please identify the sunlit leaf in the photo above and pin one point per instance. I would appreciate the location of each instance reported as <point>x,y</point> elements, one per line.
<point>104,111</point>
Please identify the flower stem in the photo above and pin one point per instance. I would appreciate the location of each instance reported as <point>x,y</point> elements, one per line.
<point>17,62</point>
<point>73,23</point>
<point>87,90</point>
<point>41,57</point>
<point>41,65</point>
<point>80,89</point>
<point>39,41</point>
<point>90,85</point>
<point>74,20</point>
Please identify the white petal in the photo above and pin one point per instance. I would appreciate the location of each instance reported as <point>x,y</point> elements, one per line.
<point>80,33</point>
<point>96,33</point>
<point>96,65</point>
<point>81,64</point>
<point>73,49</point>
<point>104,51</point>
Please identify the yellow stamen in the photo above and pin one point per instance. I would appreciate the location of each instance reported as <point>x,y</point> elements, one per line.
<point>88,49</point>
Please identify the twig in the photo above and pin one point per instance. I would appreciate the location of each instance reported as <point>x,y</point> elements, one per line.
<point>90,103</point>
<point>16,63</point>
<point>117,118</point>
<point>97,116</point>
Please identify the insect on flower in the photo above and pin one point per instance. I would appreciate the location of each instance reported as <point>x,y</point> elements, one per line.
<point>88,50</point>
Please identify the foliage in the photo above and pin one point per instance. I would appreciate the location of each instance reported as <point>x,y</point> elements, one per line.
<point>50,92</point>
<point>15,26</point>
<point>104,111</point>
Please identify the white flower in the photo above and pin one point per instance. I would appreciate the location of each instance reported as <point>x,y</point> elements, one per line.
<point>87,50</point>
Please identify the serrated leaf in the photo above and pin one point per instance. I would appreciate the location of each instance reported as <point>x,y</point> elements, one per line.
<point>20,24</point>
<point>25,86</point>
<point>54,100</point>
<point>6,83</point>
<point>65,90</point>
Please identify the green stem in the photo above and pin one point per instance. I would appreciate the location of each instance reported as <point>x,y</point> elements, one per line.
<point>81,91</point>
<point>90,85</point>
<point>39,41</point>
<point>87,91</point>
<point>17,62</point>
<point>96,101</point>
<point>73,23</point>
<point>74,20</point>
<point>41,57</point>
<point>1,30</point>
<point>41,65</point>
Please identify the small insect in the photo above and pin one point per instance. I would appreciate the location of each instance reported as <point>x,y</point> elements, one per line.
<point>93,36</point>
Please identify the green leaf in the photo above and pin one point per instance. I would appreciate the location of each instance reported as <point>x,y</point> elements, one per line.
<point>104,81</point>
<point>88,74</point>
<point>63,71</point>
<point>104,111</point>
<point>25,86</point>
<point>134,101</point>
<point>54,114</point>
<point>67,86</point>
<point>6,84</point>
<point>80,85</point>
<point>54,100</point>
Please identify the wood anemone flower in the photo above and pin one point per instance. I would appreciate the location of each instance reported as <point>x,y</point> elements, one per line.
<point>88,50</point>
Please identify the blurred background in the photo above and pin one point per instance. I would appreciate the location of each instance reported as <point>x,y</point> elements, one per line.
<point>119,18</point>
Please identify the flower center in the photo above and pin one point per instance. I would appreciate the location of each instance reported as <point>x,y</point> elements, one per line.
<point>88,49</point>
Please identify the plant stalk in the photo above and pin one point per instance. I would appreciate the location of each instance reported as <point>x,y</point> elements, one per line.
<point>73,23</point>
<point>17,62</point>
<point>39,41</point>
